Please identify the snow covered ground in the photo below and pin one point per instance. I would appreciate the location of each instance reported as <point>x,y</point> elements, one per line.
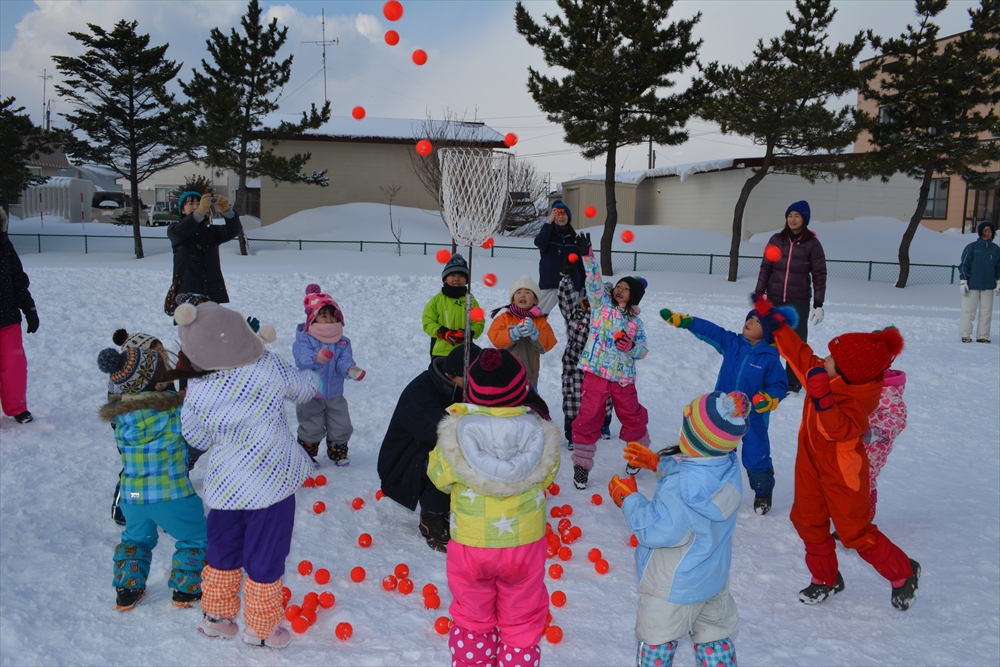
<point>939,494</point>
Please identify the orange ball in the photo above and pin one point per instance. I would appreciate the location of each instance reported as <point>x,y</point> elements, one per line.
<point>389,582</point>
<point>488,243</point>
<point>430,589</point>
<point>554,634</point>
<point>628,236</point>
<point>442,255</point>
<point>596,499</point>
<point>477,314</point>
<point>310,600</point>
<point>401,571</point>
<point>564,525</point>
<point>344,631</point>
<point>319,507</point>
<point>554,489</point>
<point>555,570</point>
<point>379,495</point>
<point>602,566</point>
<point>286,595</point>
<point>393,10</point>
<point>576,532</point>
<point>305,568</point>
<point>300,624</point>
<point>432,602</point>
<point>424,147</point>
<point>309,483</point>
<point>510,139</point>
<point>391,37</point>
<point>567,510</point>
<point>565,553</point>
<point>566,536</point>
<point>442,625</point>
<point>327,600</point>
<point>365,540</point>
<point>309,615</point>
<point>489,280</point>
<point>357,503</point>
<point>292,612</point>
<point>358,575</point>
<point>594,555</point>
<point>322,576</point>
<point>556,512</point>
<point>405,586</point>
<point>573,258</point>
<point>320,480</point>
<point>634,541</point>
<point>590,211</point>
<point>558,598</point>
<point>358,112</point>
<point>419,57</point>
<point>772,252</point>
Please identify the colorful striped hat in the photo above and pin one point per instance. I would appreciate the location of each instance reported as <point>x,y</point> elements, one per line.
<point>497,379</point>
<point>714,424</point>
<point>132,370</point>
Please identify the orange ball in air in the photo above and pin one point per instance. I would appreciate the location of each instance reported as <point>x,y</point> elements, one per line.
<point>300,624</point>
<point>590,211</point>
<point>558,598</point>
<point>358,575</point>
<point>305,568</point>
<point>602,566</point>
<point>442,625</point>
<point>393,10</point>
<point>628,236</point>
<point>327,600</point>
<point>344,631</point>
<point>489,280</point>
<point>389,582</point>
<point>573,258</point>
<point>477,314</point>
<point>509,139</point>
<point>319,507</point>
<point>405,586</point>
<point>391,37</point>
<point>488,243</point>
<point>772,252</point>
<point>442,255</point>
<point>357,503</point>
<point>424,147</point>
<point>365,540</point>
<point>358,112</point>
<point>555,570</point>
<point>419,57</point>
<point>322,576</point>
<point>554,634</point>
<point>596,499</point>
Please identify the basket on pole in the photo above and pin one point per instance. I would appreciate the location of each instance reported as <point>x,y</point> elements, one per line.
<point>475,189</point>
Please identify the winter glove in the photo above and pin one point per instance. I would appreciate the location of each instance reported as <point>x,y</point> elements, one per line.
<point>583,244</point>
<point>31,317</point>
<point>763,402</point>
<point>355,373</point>
<point>516,332</point>
<point>641,457</point>
<point>623,342</point>
<point>772,319</point>
<point>619,489</point>
<point>324,356</point>
<point>529,328</point>
<point>441,332</point>
<point>818,387</point>
<point>222,203</point>
<point>455,336</point>
<point>204,205</point>
<point>963,287</point>
<point>676,319</point>
<point>817,315</point>
<point>254,324</point>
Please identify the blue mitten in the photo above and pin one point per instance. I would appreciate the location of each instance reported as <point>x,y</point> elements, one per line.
<point>516,332</point>
<point>530,330</point>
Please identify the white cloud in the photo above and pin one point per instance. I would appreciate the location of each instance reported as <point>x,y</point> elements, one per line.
<point>369,26</point>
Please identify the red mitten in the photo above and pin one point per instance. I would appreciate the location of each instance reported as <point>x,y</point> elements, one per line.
<point>324,355</point>
<point>455,337</point>
<point>818,388</point>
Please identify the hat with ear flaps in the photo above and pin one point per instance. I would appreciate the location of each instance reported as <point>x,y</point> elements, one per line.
<point>125,340</point>
<point>216,338</point>
<point>132,370</point>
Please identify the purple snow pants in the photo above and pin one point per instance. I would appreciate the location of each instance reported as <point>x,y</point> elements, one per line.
<point>256,540</point>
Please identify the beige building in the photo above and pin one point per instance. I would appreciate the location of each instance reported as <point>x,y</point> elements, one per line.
<point>360,157</point>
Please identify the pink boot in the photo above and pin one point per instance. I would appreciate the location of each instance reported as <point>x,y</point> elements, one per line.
<point>520,657</point>
<point>470,649</point>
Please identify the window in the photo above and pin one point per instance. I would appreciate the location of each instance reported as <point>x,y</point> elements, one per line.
<point>937,200</point>
<point>885,114</point>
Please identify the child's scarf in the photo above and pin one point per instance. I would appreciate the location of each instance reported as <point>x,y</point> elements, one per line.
<point>326,333</point>
<point>519,313</point>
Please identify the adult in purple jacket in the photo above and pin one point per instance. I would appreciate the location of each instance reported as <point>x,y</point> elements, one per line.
<point>800,274</point>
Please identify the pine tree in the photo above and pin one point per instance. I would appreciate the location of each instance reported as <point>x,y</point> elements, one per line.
<point>20,141</point>
<point>937,107</point>
<point>779,100</point>
<point>130,123</point>
<point>232,96</point>
<point>619,55</point>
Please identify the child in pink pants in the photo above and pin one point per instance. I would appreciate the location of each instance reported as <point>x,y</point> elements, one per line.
<point>495,456</point>
<point>884,424</point>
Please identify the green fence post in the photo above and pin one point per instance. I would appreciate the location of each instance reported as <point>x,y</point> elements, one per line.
<point>425,247</point>
<point>300,244</point>
<point>85,251</point>
<point>635,260</point>
<point>362,244</point>
<point>869,271</point>
<point>952,275</point>
<point>39,244</point>
<point>492,250</point>
<point>710,261</point>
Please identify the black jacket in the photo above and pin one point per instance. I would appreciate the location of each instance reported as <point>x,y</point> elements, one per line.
<point>14,294</point>
<point>412,434</point>
<point>555,244</point>
<point>204,275</point>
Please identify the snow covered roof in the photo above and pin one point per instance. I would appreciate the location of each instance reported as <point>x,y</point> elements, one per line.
<point>681,170</point>
<point>400,130</point>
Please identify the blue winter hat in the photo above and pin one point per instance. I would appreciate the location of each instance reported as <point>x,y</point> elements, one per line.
<point>559,204</point>
<point>183,197</point>
<point>800,207</point>
<point>787,312</point>
<point>456,264</point>
<point>986,223</point>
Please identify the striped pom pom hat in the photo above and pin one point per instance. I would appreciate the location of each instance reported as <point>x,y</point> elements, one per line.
<point>132,370</point>
<point>714,424</point>
<point>315,300</point>
<point>497,379</point>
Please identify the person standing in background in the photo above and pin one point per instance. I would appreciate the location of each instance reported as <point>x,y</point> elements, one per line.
<point>556,240</point>
<point>979,273</point>
<point>14,299</point>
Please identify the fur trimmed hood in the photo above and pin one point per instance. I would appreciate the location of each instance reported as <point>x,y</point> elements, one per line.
<point>499,456</point>
<point>153,400</point>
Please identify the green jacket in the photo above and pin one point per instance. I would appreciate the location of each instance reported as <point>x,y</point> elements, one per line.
<point>444,311</point>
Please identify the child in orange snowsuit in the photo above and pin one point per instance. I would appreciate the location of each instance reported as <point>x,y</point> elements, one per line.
<point>523,329</point>
<point>831,465</point>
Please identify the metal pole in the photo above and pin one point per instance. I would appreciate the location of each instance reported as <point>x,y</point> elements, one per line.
<point>468,333</point>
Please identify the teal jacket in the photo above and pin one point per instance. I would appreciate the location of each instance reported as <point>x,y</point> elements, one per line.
<point>980,264</point>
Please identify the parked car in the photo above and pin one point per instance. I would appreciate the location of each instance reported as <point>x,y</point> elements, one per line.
<point>108,206</point>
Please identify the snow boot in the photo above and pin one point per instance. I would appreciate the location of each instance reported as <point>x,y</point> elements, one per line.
<point>435,529</point>
<point>217,628</point>
<point>903,596</point>
<point>568,432</point>
<point>116,508</point>
<point>185,600</point>
<point>24,417</point>
<point>762,504</point>
<point>279,638</point>
<point>815,593</point>
<point>580,476</point>
<point>312,449</point>
<point>338,454</point>
<point>129,597</point>
<point>605,433</point>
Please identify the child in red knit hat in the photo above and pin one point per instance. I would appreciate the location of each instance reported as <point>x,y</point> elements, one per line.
<point>831,466</point>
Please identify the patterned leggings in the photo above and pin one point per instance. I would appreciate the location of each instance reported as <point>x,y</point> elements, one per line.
<point>721,653</point>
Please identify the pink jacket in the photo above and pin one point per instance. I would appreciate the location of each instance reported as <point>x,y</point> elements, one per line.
<point>889,418</point>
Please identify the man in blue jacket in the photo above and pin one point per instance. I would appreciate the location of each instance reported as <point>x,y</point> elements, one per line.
<point>750,364</point>
<point>979,273</point>
<point>556,241</point>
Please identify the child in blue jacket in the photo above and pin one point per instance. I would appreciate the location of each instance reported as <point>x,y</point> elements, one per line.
<point>320,345</point>
<point>750,364</point>
<point>685,534</point>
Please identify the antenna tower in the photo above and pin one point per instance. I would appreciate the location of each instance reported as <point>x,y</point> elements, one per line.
<point>324,42</point>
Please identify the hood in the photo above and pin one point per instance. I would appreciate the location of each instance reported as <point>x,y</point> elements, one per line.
<point>498,452</point>
<point>450,391</point>
<point>711,487</point>
<point>152,400</point>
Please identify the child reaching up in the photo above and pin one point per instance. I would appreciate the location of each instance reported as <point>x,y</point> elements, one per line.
<point>320,346</point>
<point>615,342</point>
<point>444,314</point>
<point>523,329</point>
<point>750,364</point>
<point>885,423</point>
<point>685,534</point>
<point>496,456</point>
<point>832,473</point>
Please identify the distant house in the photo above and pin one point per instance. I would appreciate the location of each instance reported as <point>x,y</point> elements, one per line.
<point>703,195</point>
<point>360,156</point>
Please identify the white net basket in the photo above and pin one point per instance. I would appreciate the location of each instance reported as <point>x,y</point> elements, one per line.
<point>474,191</point>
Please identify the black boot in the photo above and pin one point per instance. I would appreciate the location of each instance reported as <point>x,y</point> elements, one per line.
<point>568,432</point>
<point>580,476</point>
<point>24,417</point>
<point>338,454</point>
<point>184,600</point>
<point>903,596</point>
<point>116,509</point>
<point>762,504</point>
<point>128,597</point>
<point>816,593</point>
<point>312,449</point>
<point>435,529</point>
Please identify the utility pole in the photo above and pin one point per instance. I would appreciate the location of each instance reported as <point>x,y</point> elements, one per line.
<point>44,77</point>
<point>324,42</point>
<point>652,155</point>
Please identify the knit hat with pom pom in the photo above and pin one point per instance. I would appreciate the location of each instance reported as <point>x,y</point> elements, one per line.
<point>216,338</point>
<point>315,300</point>
<point>497,379</point>
<point>714,424</point>
<point>864,357</point>
<point>132,370</point>
<point>125,340</point>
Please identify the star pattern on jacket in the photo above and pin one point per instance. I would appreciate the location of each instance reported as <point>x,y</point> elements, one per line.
<point>539,498</point>
<point>471,495</point>
<point>504,524</point>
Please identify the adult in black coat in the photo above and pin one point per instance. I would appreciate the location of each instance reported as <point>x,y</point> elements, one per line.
<point>556,241</point>
<point>14,299</point>
<point>195,235</point>
<point>412,434</point>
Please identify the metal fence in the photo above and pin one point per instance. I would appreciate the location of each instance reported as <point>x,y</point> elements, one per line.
<point>622,260</point>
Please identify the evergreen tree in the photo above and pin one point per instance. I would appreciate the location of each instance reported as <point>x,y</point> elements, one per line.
<point>937,107</point>
<point>232,95</point>
<point>779,100</point>
<point>619,55</point>
<point>130,123</point>
<point>20,141</point>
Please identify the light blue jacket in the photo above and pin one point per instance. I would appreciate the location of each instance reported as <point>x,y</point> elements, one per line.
<point>332,373</point>
<point>689,523</point>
